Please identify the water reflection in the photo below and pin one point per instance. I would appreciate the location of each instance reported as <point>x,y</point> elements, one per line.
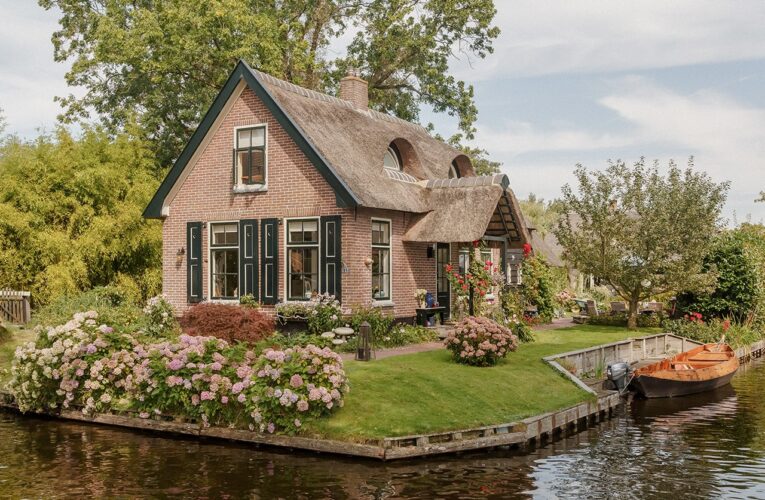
<point>704,446</point>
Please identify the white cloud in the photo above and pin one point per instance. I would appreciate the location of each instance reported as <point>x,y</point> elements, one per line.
<point>542,37</point>
<point>726,137</point>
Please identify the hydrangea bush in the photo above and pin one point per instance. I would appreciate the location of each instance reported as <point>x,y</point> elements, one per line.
<point>160,317</point>
<point>87,365</point>
<point>298,383</point>
<point>480,341</point>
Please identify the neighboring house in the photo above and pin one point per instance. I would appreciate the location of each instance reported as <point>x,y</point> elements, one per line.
<point>284,192</point>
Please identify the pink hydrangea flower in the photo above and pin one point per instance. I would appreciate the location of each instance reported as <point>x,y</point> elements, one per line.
<point>296,381</point>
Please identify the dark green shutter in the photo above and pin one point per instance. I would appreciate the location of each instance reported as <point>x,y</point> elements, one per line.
<point>269,258</point>
<point>331,256</point>
<point>248,257</point>
<point>194,262</point>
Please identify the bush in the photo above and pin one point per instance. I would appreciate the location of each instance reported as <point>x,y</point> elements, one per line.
<point>521,329</point>
<point>84,364</point>
<point>695,328</point>
<point>397,336</point>
<point>539,283</point>
<point>5,334</point>
<point>112,304</point>
<point>160,318</point>
<point>480,341</point>
<point>297,384</point>
<point>322,313</point>
<point>300,339</point>
<point>227,322</point>
<point>249,301</point>
<point>380,324</point>
<point>620,319</point>
<point>739,286</point>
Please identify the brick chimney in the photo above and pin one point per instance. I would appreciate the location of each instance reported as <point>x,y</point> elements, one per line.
<point>354,89</point>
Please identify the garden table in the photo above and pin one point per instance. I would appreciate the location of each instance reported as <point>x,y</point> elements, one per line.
<point>425,313</point>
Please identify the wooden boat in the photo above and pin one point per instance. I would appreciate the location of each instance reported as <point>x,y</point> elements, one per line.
<point>701,369</point>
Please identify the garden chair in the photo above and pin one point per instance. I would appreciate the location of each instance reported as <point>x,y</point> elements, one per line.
<point>618,308</point>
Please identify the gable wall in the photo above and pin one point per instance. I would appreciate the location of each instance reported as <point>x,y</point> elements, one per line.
<point>295,189</point>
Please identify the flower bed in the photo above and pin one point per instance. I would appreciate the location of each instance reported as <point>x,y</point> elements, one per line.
<point>84,364</point>
<point>480,341</point>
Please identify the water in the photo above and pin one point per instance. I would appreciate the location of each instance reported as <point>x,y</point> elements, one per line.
<point>707,446</point>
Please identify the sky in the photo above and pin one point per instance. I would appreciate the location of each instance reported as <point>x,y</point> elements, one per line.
<point>568,83</point>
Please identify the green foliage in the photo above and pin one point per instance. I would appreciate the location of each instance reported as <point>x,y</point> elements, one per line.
<point>5,333</point>
<point>322,313</point>
<point>70,215</point>
<point>300,339</point>
<point>164,61</point>
<point>379,322</point>
<point>112,304</point>
<point>398,336</point>
<point>538,286</point>
<point>160,318</point>
<point>709,332</point>
<point>642,232</point>
<point>542,214</point>
<point>249,301</point>
<point>643,320</point>
<point>739,288</point>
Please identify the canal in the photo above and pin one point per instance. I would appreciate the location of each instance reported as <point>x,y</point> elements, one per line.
<point>708,446</point>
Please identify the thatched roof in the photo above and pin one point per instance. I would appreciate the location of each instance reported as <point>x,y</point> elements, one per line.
<point>354,142</point>
<point>548,247</point>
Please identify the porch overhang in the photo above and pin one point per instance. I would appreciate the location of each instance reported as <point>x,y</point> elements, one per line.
<point>469,213</point>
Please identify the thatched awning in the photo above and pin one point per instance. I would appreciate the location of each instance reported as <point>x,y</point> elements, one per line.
<point>457,215</point>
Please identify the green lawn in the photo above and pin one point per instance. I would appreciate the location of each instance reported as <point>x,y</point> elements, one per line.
<point>8,347</point>
<point>427,392</point>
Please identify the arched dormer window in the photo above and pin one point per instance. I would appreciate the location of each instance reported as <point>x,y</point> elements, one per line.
<point>454,171</point>
<point>392,158</point>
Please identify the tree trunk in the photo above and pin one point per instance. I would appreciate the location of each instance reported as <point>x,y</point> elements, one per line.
<point>632,316</point>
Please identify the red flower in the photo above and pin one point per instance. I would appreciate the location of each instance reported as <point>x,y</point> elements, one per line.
<point>476,243</point>
<point>464,288</point>
<point>448,268</point>
<point>725,325</point>
<point>488,263</point>
<point>469,276</point>
<point>526,249</point>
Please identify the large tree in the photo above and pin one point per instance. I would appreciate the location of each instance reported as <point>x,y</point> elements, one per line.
<point>641,232</point>
<point>163,61</point>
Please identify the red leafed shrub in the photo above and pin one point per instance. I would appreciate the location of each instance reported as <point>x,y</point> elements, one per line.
<point>228,322</point>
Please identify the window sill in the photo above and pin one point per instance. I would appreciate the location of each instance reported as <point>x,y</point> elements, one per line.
<point>223,301</point>
<point>382,303</point>
<point>250,188</point>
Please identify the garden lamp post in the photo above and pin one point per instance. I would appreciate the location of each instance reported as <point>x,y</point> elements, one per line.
<point>364,348</point>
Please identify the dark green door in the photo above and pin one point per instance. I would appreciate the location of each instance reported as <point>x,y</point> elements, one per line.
<point>443,296</point>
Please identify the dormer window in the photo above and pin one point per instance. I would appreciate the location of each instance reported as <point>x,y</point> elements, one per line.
<point>250,158</point>
<point>392,158</point>
<point>454,172</point>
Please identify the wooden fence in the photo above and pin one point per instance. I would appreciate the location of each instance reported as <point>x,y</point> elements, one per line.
<point>15,307</point>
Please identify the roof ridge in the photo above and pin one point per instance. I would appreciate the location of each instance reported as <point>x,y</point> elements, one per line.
<point>477,180</point>
<point>321,96</point>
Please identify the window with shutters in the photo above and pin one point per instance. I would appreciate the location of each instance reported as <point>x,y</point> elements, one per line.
<point>464,260</point>
<point>224,260</point>
<point>250,157</point>
<point>381,260</point>
<point>302,259</point>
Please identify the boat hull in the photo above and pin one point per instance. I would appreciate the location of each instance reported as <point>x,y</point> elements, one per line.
<point>654,387</point>
<point>703,368</point>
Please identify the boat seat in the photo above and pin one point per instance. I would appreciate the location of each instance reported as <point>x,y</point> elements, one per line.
<point>709,356</point>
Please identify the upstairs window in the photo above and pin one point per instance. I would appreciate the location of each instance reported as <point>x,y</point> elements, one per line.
<point>454,171</point>
<point>392,158</point>
<point>250,156</point>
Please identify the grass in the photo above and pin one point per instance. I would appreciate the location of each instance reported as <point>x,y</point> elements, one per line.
<point>427,392</point>
<point>8,347</point>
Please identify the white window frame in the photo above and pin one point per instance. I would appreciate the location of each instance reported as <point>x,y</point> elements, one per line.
<point>288,263</point>
<point>389,300</point>
<point>397,158</point>
<point>210,250</point>
<point>463,250</point>
<point>250,188</point>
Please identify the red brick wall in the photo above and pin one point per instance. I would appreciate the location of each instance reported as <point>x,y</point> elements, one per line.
<point>295,189</point>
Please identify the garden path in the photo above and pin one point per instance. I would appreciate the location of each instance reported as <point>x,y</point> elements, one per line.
<point>432,346</point>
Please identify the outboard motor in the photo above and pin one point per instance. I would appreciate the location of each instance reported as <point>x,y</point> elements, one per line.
<point>618,374</point>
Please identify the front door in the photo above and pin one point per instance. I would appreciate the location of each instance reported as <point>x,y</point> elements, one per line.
<point>442,281</point>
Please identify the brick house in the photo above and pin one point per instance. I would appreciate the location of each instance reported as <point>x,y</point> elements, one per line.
<point>284,192</point>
